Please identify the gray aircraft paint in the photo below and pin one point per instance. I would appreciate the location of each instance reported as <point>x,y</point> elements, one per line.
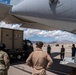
<point>63,9</point>
<point>60,15</point>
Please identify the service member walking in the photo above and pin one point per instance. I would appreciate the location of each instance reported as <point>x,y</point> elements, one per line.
<point>39,60</point>
<point>49,49</point>
<point>62,52</point>
<point>73,50</point>
<point>4,61</point>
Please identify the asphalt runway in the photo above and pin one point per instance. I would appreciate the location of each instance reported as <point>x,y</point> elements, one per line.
<point>56,69</point>
<point>20,68</point>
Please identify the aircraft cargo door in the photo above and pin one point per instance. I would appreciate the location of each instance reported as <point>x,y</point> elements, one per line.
<point>7,37</point>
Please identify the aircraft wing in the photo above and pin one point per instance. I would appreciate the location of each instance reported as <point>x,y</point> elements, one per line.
<point>11,19</point>
<point>40,16</point>
<point>4,10</point>
<point>6,16</point>
<point>36,25</point>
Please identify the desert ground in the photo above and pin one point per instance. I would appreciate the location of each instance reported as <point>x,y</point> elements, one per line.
<point>55,54</point>
<point>56,49</point>
<point>56,69</point>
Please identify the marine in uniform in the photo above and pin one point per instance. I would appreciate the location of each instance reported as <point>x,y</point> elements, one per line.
<point>73,50</point>
<point>62,52</point>
<point>4,61</point>
<point>49,49</point>
<point>39,60</point>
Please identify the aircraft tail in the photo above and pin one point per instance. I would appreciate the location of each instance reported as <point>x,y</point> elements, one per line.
<point>11,2</point>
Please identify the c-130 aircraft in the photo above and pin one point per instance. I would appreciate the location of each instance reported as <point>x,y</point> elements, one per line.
<point>40,14</point>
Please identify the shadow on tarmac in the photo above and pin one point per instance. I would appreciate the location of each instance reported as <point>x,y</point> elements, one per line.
<point>60,69</point>
<point>55,54</point>
<point>56,68</point>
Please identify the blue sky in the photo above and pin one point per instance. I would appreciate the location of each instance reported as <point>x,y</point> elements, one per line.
<point>42,35</point>
<point>5,1</point>
<point>40,38</point>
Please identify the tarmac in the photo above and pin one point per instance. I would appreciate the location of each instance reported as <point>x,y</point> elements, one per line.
<point>56,69</point>
<point>23,70</point>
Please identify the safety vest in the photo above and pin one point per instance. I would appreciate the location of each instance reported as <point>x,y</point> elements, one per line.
<point>62,52</point>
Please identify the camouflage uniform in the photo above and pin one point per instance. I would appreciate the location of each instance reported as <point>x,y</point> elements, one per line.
<point>4,63</point>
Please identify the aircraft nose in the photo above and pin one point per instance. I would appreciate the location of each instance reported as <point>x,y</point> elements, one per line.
<point>31,8</point>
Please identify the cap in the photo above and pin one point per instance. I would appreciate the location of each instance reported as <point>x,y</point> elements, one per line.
<point>39,44</point>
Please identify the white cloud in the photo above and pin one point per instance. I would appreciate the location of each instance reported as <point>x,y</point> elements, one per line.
<point>31,32</point>
<point>3,24</point>
<point>57,34</point>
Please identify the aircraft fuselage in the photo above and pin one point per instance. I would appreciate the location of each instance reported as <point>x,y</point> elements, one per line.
<point>62,9</point>
<point>60,14</point>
